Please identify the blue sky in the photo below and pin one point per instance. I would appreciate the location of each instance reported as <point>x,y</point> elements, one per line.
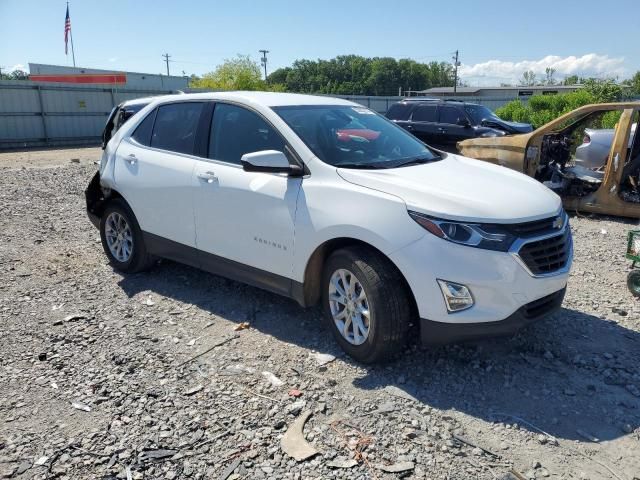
<point>497,39</point>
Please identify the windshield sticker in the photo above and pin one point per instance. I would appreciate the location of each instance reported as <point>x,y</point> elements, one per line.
<point>362,111</point>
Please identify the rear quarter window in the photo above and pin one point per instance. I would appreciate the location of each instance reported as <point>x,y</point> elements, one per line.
<point>175,127</point>
<point>142,133</point>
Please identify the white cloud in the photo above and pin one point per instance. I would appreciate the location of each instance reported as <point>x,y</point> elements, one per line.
<point>497,71</point>
<point>113,59</point>
<point>18,66</point>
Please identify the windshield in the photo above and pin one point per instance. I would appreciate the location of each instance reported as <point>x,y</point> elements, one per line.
<point>354,137</point>
<point>479,113</point>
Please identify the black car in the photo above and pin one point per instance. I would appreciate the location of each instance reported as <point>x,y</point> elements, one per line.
<point>443,123</point>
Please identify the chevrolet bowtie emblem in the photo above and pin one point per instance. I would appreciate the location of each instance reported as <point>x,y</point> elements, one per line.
<point>557,223</point>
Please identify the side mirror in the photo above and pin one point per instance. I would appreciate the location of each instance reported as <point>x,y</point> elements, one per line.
<point>464,122</point>
<point>269,161</point>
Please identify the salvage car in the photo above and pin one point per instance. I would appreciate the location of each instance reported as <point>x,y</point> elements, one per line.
<point>549,155</point>
<point>443,123</point>
<point>323,200</point>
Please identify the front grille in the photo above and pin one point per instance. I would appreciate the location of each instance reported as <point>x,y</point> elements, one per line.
<point>533,229</point>
<point>543,305</point>
<point>548,255</point>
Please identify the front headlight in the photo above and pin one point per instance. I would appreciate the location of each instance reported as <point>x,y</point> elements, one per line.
<point>487,236</point>
<point>493,133</point>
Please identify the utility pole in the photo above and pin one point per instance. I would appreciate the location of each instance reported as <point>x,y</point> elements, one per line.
<point>456,64</point>
<point>166,57</point>
<point>263,60</point>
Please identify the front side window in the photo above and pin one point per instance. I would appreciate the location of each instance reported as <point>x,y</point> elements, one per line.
<point>478,113</point>
<point>175,127</point>
<point>450,115</point>
<point>236,131</point>
<point>354,137</point>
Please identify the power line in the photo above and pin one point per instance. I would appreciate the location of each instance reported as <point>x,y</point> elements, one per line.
<point>263,60</point>
<point>166,57</point>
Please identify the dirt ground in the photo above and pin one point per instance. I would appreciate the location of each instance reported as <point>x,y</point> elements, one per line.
<point>93,382</point>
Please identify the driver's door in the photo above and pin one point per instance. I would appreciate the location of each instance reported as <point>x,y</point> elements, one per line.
<point>244,218</point>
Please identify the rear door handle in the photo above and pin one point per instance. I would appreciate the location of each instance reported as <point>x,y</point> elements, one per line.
<point>132,159</point>
<point>209,177</point>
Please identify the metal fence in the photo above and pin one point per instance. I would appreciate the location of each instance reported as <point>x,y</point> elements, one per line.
<point>34,114</point>
<point>45,114</point>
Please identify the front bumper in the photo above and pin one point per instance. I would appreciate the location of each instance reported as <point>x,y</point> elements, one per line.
<point>500,282</point>
<point>440,333</point>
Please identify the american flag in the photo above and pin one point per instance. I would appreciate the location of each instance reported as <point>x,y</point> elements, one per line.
<point>67,30</point>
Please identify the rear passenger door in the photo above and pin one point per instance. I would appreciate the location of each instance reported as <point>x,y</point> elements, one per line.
<point>245,218</point>
<point>154,168</point>
<point>424,124</point>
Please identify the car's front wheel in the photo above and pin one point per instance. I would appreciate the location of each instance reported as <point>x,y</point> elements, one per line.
<point>366,303</point>
<point>122,238</point>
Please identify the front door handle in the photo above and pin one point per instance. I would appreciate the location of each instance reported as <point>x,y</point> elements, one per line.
<point>132,159</point>
<point>209,177</point>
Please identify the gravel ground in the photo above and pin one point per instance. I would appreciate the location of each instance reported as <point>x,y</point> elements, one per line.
<point>94,384</point>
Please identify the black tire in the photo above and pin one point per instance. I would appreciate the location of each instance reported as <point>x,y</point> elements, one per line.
<point>389,303</point>
<point>633,283</point>
<point>139,259</point>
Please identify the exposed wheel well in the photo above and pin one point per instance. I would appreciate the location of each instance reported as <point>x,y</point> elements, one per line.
<point>97,198</point>
<point>313,272</point>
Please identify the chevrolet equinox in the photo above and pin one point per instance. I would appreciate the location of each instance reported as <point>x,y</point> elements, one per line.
<point>323,200</point>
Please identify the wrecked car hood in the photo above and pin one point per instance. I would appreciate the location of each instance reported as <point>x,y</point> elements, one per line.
<point>516,127</point>
<point>458,188</point>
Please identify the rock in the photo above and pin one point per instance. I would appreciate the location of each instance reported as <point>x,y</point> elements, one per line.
<point>80,406</point>
<point>42,356</point>
<point>341,462</point>
<point>322,358</point>
<point>193,390</point>
<point>397,467</point>
<point>542,439</point>
<point>296,407</point>
<point>157,454</point>
<point>272,379</point>
<point>293,442</point>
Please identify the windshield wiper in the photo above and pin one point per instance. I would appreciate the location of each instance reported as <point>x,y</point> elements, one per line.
<point>418,161</point>
<point>364,166</point>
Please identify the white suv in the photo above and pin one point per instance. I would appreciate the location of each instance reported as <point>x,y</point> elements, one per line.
<point>321,199</point>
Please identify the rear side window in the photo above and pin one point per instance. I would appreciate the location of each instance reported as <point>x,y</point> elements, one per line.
<point>142,133</point>
<point>236,131</point>
<point>175,127</point>
<point>450,115</point>
<point>398,111</point>
<point>426,113</point>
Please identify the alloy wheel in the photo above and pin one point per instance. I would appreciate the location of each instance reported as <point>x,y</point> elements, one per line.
<point>349,306</point>
<point>119,237</point>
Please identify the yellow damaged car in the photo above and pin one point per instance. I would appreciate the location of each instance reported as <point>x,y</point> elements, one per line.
<point>549,155</point>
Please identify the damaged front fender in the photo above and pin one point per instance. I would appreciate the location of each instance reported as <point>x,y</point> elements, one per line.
<point>95,199</point>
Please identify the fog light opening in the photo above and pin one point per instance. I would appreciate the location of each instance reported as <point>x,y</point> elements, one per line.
<point>457,297</point>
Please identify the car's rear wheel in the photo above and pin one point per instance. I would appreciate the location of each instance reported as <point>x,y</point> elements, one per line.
<point>366,303</point>
<point>122,239</point>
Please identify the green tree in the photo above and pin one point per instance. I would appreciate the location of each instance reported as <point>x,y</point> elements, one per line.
<point>549,73</point>
<point>571,80</point>
<point>356,75</point>
<point>634,83</point>
<point>240,73</point>
<point>528,78</point>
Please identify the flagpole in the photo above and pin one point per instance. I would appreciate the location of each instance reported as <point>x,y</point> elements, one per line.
<point>73,53</point>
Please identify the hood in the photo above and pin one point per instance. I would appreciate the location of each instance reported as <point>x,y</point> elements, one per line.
<point>459,188</point>
<point>513,127</point>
